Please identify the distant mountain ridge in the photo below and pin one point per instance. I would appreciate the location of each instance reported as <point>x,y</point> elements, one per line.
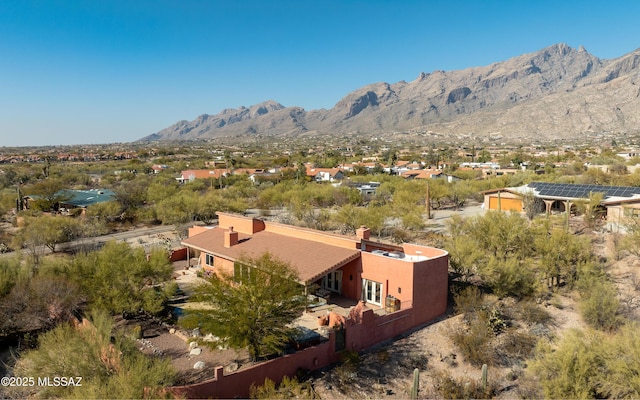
<point>556,92</point>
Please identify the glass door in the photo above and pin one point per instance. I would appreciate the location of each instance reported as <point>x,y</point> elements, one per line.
<point>372,292</point>
<point>333,281</point>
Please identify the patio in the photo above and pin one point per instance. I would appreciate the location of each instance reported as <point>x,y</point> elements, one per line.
<point>322,307</point>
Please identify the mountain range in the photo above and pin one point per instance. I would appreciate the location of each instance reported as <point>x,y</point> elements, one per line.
<point>556,92</point>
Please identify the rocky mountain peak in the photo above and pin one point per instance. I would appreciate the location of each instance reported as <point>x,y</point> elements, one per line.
<point>556,91</point>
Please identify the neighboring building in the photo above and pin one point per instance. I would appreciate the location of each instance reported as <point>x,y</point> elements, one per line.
<point>629,154</point>
<point>325,174</point>
<point>366,189</point>
<point>157,168</point>
<point>421,174</point>
<point>618,204</point>
<point>76,198</point>
<point>86,198</point>
<point>192,174</point>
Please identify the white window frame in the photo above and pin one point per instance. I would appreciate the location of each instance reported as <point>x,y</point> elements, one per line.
<point>369,292</point>
<point>209,259</point>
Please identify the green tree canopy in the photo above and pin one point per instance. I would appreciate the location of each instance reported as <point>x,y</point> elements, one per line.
<point>591,364</point>
<point>254,307</point>
<point>109,364</point>
<point>119,278</point>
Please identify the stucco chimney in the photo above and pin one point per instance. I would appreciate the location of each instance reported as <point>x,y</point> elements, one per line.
<point>230,238</point>
<point>363,232</point>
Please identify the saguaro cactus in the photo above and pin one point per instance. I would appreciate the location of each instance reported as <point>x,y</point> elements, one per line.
<point>416,384</point>
<point>484,378</point>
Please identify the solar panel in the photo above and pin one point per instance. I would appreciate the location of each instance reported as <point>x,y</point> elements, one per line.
<point>583,191</point>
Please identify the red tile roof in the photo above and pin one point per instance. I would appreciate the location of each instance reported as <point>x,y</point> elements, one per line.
<point>311,259</point>
<point>203,173</point>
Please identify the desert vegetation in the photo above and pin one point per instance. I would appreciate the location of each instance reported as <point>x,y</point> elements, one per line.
<point>512,275</point>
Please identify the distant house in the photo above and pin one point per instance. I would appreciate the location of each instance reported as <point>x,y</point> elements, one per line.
<point>619,203</point>
<point>157,168</point>
<point>325,174</point>
<point>86,198</point>
<point>421,174</point>
<point>76,198</point>
<point>366,189</point>
<point>192,174</point>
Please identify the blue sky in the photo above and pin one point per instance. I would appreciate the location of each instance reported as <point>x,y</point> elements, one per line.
<point>104,71</point>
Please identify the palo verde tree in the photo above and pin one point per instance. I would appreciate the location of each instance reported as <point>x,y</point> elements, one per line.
<point>253,307</point>
<point>45,231</point>
<point>121,279</point>
<point>590,364</point>
<point>47,194</point>
<point>107,361</point>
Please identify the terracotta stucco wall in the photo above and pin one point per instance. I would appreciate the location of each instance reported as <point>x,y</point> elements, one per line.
<point>194,230</point>
<point>430,288</point>
<point>308,234</point>
<point>351,281</point>
<point>395,275</point>
<point>223,265</point>
<point>240,223</point>
<point>363,331</point>
<point>237,384</point>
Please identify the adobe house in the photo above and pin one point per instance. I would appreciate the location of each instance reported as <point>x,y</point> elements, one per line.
<point>619,203</point>
<point>384,276</point>
<point>394,289</point>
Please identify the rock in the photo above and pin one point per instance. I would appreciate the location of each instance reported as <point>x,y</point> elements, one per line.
<point>195,332</point>
<point>195,351</point>
<point>209,337</point>
<point>172,331</point>
<point>233,367</point>
<point>199,365</point>
<point>193,345</point>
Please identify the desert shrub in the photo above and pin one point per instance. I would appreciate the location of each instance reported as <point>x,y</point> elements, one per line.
<point>448,387</point>
<point>414,360</point>
<point>514,346</point>
<point>496,320</point>
<point>532,314</point>
<point>600,306</point>
<point>474,341</point>
<point>289,388</point>
<point>109,362</point>
<point>510,277</point>
<point>571,370</point>
<point>344,375</point>
<point>468,301</point>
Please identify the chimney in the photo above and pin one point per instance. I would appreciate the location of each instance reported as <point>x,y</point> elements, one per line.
<point>230,238</point>
<point>363,232</point>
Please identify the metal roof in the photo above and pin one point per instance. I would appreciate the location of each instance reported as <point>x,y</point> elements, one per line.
<point>85,198</point>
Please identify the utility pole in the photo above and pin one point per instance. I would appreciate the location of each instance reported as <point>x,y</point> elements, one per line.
<point>428,202</point>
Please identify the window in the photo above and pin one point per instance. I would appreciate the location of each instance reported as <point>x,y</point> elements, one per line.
<point>241,272</point>
<point>333,281</point>
<point>209,259</point>
<point>372,292</point>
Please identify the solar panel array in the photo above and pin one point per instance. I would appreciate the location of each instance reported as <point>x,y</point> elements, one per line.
<point>568,190</point>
